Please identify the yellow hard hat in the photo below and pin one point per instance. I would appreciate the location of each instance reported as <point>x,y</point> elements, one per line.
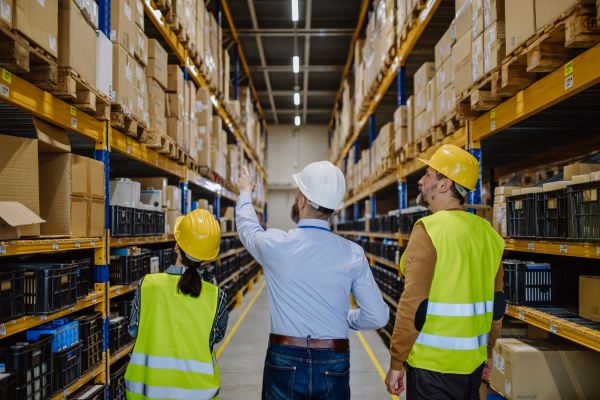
<point>198,234</point>
<point>456,164</point>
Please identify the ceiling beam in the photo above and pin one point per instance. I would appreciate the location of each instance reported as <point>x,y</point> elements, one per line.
<point>293,111</point>
<point>290,32</point>
<point>308,18</point>
<point>288,68</point>
<point>313,93</point>
<point>263,60</point>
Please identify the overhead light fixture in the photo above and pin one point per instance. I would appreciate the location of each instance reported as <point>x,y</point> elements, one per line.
<point>294,10</point>
<point>297,99</point>
<point>297,120</point>
<point>296,64</point>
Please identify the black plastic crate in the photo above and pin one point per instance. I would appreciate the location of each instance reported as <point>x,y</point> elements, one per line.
<point>145,257</point>
<point>90,332</point>
<point>164,258</point>
<point>407,221</point>
<point>125,270</point>
<point>150,223</point>
<point>7,385</point>
<point>117,328</point>
<point>121,221</point>
<point>160,222</point>
<point>67,367</point>
<point>85,280</point>
<point>139,222</point>
<point>48,287</point>
<point>585,210</point>
<point>520,215</point>
<point>89,392</point>
<point>553,217</point>
<point>12,297</point>
<point>117,380</point>
<point>528,284</point>
<point>32,365</point>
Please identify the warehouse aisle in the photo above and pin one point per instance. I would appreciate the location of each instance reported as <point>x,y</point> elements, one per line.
<point>242,358</point>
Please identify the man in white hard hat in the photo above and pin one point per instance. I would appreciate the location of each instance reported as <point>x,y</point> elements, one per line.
<point>310,273</point>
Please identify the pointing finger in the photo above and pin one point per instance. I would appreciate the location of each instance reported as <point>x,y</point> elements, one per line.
<point>246,171</point>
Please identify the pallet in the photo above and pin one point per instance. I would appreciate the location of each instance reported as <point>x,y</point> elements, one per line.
<point>75,90</point>
<point>183,156</point>
<point>164,6</point>
<point>122,120</point>
<point>407,153</point>
<point>426,141</point>
<point>26,60</point>
<point>157,140</point>
<point>205,171</point>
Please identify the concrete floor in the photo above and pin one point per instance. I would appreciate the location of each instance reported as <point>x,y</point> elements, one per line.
<point>241,361</point>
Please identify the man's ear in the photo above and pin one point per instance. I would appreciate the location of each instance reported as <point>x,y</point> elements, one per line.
<point>444,185</point>
<point>301,201</point>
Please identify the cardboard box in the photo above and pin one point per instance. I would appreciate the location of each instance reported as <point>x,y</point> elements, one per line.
<point>6,7</point>
<point>19,175</point>
<point>463,71</point>
<point>104,64</point>
<point>581,179</point>
<point>14,216</point>
<point>122,24</point>
<point>141,46</point>
<point>499,219</point>
<point>401,137</point>
<point>175,80</point>
<point>97,219</point>
<point>589,297</point>
<point>122,77</point>
<point>76,37</point>
<point>421,100</point>
<point>173,198</point>
<point>175,105</point>
<point>544,368</point>
<point>410,109</point>
<point>477,18</point>
<point>463,22</point>
<point>37,21</point>
<point>423,75</point>
<point>191,107</point>
<point>440,108</point>
<point>154,184</point>
<point>579,169</point>
<point>494,42</point>
<point>204,107</point>
<point>204,146</point>
<point>520,23</point>
<point>193,150</point>
<point>447,73</point>
<point>157,107</point>
<point>450,100</point>
<point>477,58</point>
<point>493,10</point>
<point>401,116</point>
<point>505,190</point>
<point>186,135</point>
<point>548,11</point>
<point>139,99</point>
<point>440,51</point>
<point>175,129</point>
<point>170,222</point>
<point>486,392</point>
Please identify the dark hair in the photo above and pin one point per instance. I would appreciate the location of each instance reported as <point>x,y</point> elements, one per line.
<point>190,282</point>
<point>453,190</point>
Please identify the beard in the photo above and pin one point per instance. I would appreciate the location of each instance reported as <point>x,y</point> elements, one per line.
<point>295,213</point>
<point>423,199</point>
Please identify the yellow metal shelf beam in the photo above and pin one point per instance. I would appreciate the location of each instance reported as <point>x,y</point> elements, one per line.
<point>21,246</point>
<point>182,54</point>
<point>569,330</point>
<point>119,354</point>
<point>375,187</point>
<point>558,248</point>
<point>121,289</point>
<point>236,273</point>
<point>229,234</point>
<point>132,241</point>
<point>553,88</point>
<point>94,373</point>
<point>389,300</point>
<point>380,235</point>
<point>28,322</point>
<point>23,95</point>
<point>382,261</point>
<point>403,52</point>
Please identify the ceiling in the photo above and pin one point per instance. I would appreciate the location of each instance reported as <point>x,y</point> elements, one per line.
<point>269,40</point>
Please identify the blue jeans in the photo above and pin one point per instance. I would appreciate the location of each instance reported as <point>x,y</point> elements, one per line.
<point>295,373</point>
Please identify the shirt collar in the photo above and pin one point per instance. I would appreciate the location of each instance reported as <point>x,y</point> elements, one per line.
<point>314,222</point>
<point>175,270</point>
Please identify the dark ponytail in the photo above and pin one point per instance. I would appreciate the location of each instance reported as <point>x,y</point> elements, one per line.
<point>190,282</point>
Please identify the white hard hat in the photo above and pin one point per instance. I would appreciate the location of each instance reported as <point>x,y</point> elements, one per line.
<point>323,184</point>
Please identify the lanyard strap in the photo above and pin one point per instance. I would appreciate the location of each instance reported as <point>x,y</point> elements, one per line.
<point>313,227</point>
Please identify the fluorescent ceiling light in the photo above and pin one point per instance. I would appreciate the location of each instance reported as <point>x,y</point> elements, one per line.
<point>297,120</point>
<point>296,63</point>
<point>297,99</point>
<point>294,10</point>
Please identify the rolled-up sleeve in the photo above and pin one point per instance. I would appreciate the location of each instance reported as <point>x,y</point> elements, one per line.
<point>248,227</point>
<point>373,312</point>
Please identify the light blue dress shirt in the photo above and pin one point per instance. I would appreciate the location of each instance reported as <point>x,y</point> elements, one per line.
<point>310,273</point>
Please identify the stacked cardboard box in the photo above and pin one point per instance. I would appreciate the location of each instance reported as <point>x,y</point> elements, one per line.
<point>499,213</point>
<point>401,128</point>
<point>383,146</point>
<point>157,81</point>
<point>359,67</point>
<point>218,148</point>
<point>204,121</point>
<point>381,37</point>
<point>424,103</point>
<point>175,104</point>
<point>444,82</point>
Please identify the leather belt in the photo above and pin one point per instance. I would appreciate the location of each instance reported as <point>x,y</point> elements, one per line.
<point>339,345</point>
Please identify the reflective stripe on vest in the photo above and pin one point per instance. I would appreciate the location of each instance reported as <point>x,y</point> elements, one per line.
<point>172,363</point>
<point>460,310</point>
<point>164,392</point>
<point>453,343</point>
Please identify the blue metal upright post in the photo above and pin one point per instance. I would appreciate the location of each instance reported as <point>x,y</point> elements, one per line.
<point>104,17</point>
<point>218,8</point>
<point>236,71</point>
<point>474,196</point>
<point>183,185</point>
<point>401,86</point>
<point>217,206</point>
<point>402,195</point>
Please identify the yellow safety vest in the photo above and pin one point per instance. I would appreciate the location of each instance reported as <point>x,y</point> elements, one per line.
<point>172,358</point>
<point>460,308</point>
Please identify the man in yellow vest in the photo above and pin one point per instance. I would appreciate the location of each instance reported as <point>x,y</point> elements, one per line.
<point>450,313</point>
<point>173,356</point>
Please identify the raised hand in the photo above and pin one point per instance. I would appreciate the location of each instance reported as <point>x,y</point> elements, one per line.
<point>244,183</point>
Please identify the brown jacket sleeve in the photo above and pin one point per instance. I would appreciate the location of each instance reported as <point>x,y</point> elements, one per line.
<point>419,264</point>
<point>496,325</point>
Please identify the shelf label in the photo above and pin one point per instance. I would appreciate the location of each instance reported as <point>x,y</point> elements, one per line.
<point>563,248</point>
<point>74,123</point>
<point>598,251</point>
<point>92,243</point>
<point>118,291</point>
<point>522,315</point>
<point>7,76</point>
<point>493,113</point>
<point>77,244</point>
<point>128,149</point>
<point>156,162</point>
<point>4,91</point>
<point>147,240</point>
<point>55,246</point>
<point>93,300</point>
<point>73,111</point>
<point>530,246</point>
<point>2,249</point>
<point>130,287</point>
<point>43,318</point>
<point>2,330</point>
<point>569,68</point>
<point>493,125</point>
<point>569,82</point>
<point>71,309</point>
<point>136,240</point>
<point>93,373</point>
<point>66,393</point>
<point>119,241</point>
<point>553,328</point>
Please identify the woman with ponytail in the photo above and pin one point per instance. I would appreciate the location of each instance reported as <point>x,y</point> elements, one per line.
<point>177,319</point>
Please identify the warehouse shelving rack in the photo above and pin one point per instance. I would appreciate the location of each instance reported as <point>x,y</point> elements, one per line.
<point>577,75</point>
<point>20,94</point>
